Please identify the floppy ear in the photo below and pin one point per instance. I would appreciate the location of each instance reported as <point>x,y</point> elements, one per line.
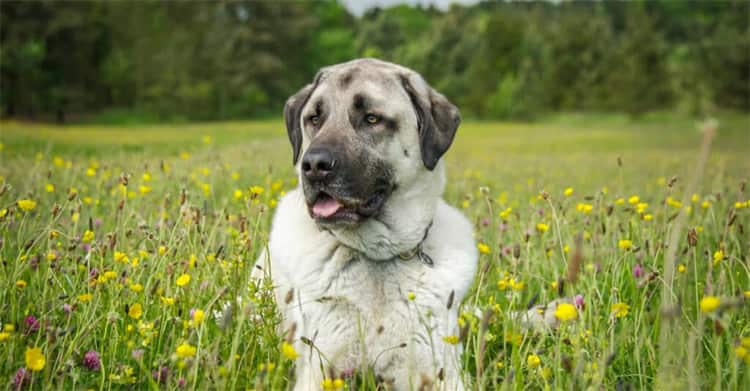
<point>437,118</point>
<point>292,114</point>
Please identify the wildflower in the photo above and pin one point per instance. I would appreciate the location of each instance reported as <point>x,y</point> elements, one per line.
<point>709,304</point>
<point>26,205</point>
<point>619,201</point>
<point>568,192</point>
<point>585,208</point>
<point>34,359</point>
<point>648,217</point>
<point>144,189</point>
<point>21,379</point>
<point>740,352</point>
<point>238,194</point>
<point>91,360</point>
<point>198,315</point>
<point>625,244</point>
<point>288,351</point>
<point>505,213</point>
<point>674,203</point>
<point>135,311</point>
<point>32,323</point>
<point>620,309</point>
<point>186,350</point>
<point>162,250</point>
<point>681,268</point>
<point>641,207</point>
<point>578,300</point>
<point>256,190</point>
<point>183,280</point>
<point>85,297</point>
<point>49,188</point>
<point>718,256</point>
<point>20,284</point>
<point>91,171</point>
<point>565,312</point>
<point>88,236</point>
<point>9,328</point>
<point>207,139</point>
<point>412,296</point>
<point>4,336</point>
<point>483,248</point>
<point>167,300</point>
<point>450,339</point>
<point>741,204</point>
<point>533,361</point>
<point>332,384</point>
<point>638,271</point>
<point>634,200</point>
<point>542,227</point>
<point>706,204</point>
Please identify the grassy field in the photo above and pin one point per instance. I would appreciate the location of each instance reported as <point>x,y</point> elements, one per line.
<point>119,245</point>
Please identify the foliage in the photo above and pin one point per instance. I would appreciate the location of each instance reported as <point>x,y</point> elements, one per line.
<point>218,60</point>
<point>122,247</point>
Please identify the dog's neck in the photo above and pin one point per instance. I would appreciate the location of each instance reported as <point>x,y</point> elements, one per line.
<point>403,223</point>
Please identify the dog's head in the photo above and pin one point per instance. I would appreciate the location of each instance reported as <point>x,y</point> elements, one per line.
<point>361,130</point>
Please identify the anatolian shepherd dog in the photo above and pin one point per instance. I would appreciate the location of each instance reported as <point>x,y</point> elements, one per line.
<point>369,264</point>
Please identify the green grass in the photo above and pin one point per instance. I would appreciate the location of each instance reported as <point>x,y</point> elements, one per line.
<point>201,206</point>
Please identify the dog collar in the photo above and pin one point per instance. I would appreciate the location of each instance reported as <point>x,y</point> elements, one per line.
<point>418,251</point>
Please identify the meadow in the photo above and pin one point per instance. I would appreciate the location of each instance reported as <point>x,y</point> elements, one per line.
<point>121,246</point>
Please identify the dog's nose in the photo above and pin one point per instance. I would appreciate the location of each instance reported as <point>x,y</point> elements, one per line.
<point>318,162</point>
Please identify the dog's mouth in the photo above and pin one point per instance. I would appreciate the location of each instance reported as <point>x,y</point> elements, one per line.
<point>328,209</point>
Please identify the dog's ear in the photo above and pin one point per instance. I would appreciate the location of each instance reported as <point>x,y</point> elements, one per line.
<point>292,114</point>
<point>437,118</point>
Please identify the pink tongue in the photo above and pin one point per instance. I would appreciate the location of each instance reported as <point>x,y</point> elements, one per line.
<point>326,207</point>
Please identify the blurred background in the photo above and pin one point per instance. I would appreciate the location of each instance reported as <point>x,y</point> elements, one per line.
<point>168,61</point>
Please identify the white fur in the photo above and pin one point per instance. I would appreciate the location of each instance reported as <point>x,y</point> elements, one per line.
<point>348,284</point>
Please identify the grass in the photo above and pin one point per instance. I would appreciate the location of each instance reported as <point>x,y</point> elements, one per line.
<point>122,214</point>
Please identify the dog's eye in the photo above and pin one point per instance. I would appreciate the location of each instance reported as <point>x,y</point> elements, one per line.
<point>372,119</point>
<point>315,119</point>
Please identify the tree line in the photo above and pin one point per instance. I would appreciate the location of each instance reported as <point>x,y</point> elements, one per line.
<point>63,61</point>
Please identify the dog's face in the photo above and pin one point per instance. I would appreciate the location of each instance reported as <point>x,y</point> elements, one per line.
<point>362,130</point>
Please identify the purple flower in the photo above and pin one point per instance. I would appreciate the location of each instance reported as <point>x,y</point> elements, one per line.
<point>137,354</point>
<point>637,271</point>
<point>67,308</point>
<point>161,375</point>
<point>32,324</point>
<point>503,226</point>
<point>97,222</point>
<point>93,273</point>
<point>485,222</point>
<point>21,379</point>
<point>578,301</point>
<point>91,360</point>
<point>181,382</point>
<point>86,247</point>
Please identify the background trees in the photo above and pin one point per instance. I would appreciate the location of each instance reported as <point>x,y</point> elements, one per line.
<point>214,60</point>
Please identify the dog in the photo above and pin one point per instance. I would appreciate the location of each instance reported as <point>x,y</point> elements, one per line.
<point>368,263</point>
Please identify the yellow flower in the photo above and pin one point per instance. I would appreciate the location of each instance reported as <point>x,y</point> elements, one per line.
<point>620,309</point>
<point>110,275</point>
<point>288,351</point>
<point>34,359</point>
<point>541,227</point>
<point>183,280</point>
<point>144,189</point>
<point>49,188</point>
<point>565,312</point>
<point>619,201</point>
<point>585,208</point>
<point>641,207</point>
<point>4,336</point>
<point>91,171</point>
<point>709,304</point>
<point>625,244</point>
<point>9,328</point>
<point>681,268</point>
<point>706,204</point>
<point>20,284</point>
<point>533,361</point>
<point>451,339</point>
<point>332,384</point>
<point>198,316</point>
<point>674,203</point>
<point>256,190</point>
<point>85,297</point>
<point>238,194</point>
<point>648,217</point>
<point>634,200</point>
<point>137,288</point>
<point>505,213</point>
<point>568,192</point>
<point>3,212</point>
<point>162,250</point>
<point>483,248</point>
<point>135,311</point>
<point>740,204</point>
<point>411,296</point>
<point>740,352</point>
<point>207,139</point>
<point>88,236</point>
<point>186,350</point>
<point>167,300</point>
<point>26,205</point>
<point>718,256</point>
